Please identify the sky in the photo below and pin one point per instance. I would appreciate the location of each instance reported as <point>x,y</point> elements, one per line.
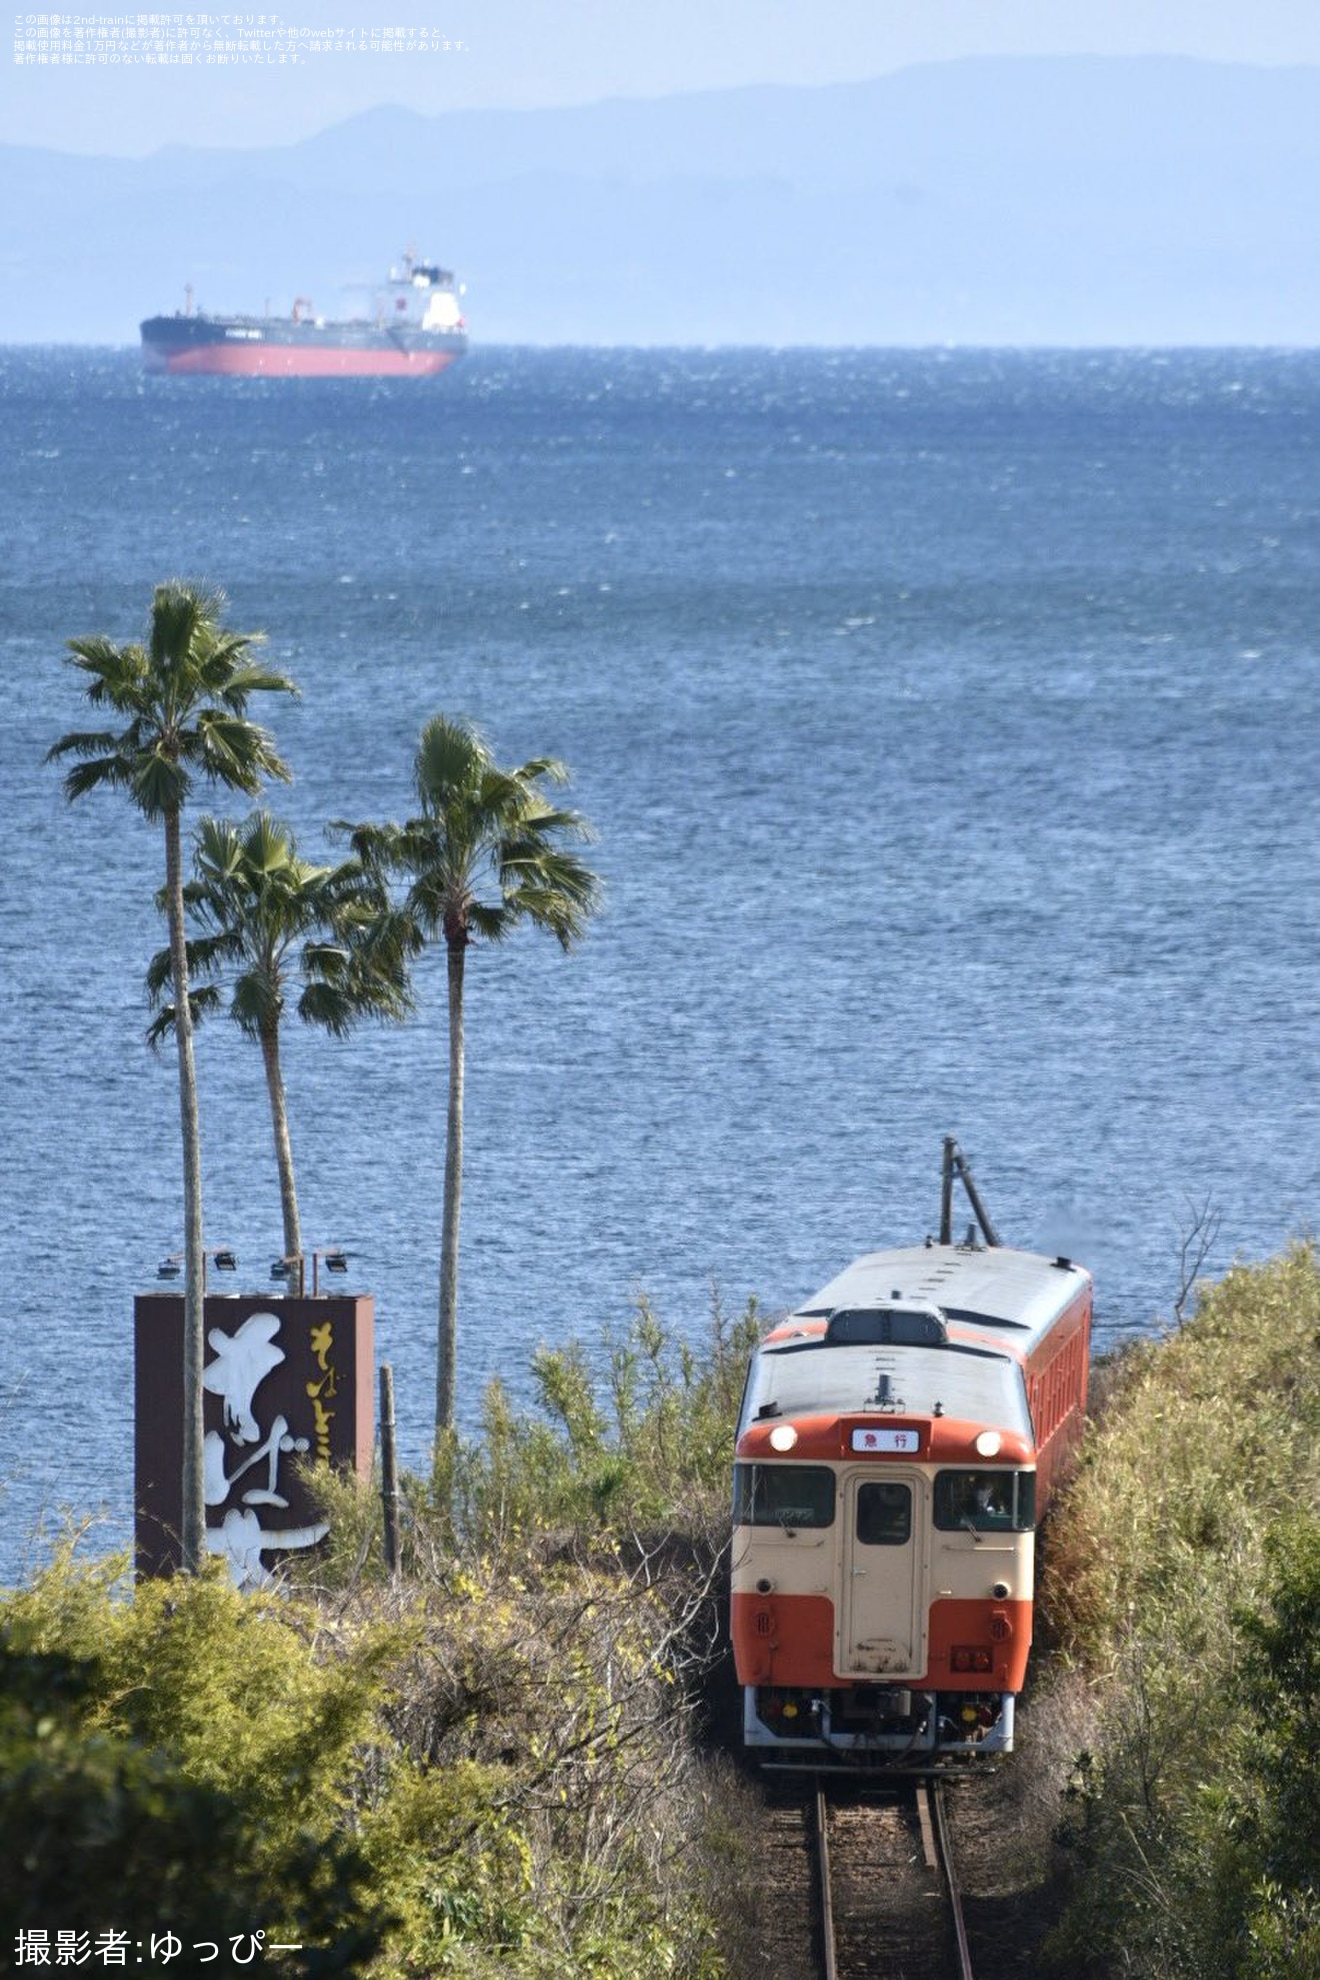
<point>522,53</point>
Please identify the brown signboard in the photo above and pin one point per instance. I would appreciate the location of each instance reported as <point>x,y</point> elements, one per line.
<point>287,1385</point>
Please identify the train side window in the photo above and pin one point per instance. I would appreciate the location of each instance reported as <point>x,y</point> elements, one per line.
<point>884,1513</point>
<point>985,1501</point>
<point>787,1495</point>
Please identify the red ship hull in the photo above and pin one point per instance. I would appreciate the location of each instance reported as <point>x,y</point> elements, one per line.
<point>222,360</point>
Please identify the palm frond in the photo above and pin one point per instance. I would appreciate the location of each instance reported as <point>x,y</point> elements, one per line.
<point>159,784</point>
<point>536,844</point>
<point>257,1002</point>
<point>502,794</point>
<point>218,850</point>
<point>327,961</point>
<point>112,772</point>
<point>439,895</point>
<point>249,679</point>
<point>222,656</point>
<point>179,610</point>
<point>266,847</point>
<point>85,742</point>
<point>451,758</point>
<point>120,674</point>
<point>548,823</point>
<point>160,975</point>
<point>376,848</point>
<point>329,1007</point>
<point>494,921</point>
<point>206,958</point>
<point>201,1002</point>
<point>426,842</point>
<point>385,937</point>
<point>561,910</point>
<point>548,767</point>
<point>236,752</point>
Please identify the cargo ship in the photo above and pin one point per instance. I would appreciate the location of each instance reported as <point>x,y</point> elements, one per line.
<point>414,329</point>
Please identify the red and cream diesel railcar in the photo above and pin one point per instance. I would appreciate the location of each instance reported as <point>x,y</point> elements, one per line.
<point>899,1438</point>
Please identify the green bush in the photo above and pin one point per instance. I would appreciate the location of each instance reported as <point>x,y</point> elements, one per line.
<point>1270,1890</point>
<point>633,1443</point>
<point>644,1444</point>
<point>1183,1584</point>
<point>101,1833</point>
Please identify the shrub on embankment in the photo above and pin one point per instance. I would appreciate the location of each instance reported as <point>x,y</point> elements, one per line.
<point>485,1765</point>
<point>1183,1581</point>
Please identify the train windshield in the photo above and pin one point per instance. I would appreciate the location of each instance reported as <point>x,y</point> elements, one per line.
<point>985,1501</point>
<point>787,1495</point>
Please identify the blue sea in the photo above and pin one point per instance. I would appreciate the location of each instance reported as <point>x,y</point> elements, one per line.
<point>950,724</point>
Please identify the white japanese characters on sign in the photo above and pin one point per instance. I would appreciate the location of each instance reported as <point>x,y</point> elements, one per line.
<point>242,1361</point>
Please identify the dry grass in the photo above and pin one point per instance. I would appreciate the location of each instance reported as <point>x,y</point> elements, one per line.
<point>1206,1450</point>
<point>1208,1437</point>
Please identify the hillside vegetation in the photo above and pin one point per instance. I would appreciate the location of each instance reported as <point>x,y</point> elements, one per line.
<point>1183,1584</point>
<point>497,1763</point>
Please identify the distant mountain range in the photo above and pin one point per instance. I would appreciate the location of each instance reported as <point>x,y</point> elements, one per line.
<point>1025,201</point>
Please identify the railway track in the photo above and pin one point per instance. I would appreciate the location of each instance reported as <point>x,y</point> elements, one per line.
<point>887,1890</point>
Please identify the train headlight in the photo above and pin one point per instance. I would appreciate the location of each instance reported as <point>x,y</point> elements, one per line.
<point>989,1443</point>
<point>783,1437</point>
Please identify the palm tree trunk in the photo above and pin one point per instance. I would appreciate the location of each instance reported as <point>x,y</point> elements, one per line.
<point>279,1119</point>
<point>448,1341</point>
<point>193,1519</point>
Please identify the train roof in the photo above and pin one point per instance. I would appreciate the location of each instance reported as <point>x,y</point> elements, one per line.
<point>1018,1295</point>
<point>807,1377</point>
<point>926,1330</point>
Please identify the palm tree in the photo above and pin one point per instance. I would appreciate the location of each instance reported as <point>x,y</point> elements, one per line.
<point>183,699</point>
<point>486,853</point>
<point>277,921</point>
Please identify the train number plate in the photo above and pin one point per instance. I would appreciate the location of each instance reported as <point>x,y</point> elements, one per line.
<point>904,1442</point>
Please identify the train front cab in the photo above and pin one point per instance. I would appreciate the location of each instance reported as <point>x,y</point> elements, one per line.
<point>882,1611</point>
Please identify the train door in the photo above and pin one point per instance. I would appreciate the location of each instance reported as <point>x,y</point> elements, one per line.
<point>882,1618</point>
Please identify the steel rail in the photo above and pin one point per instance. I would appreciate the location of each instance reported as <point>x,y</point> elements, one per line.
<point>829,1964</point>
<point>936,1796</point>
<point>928,1807</point>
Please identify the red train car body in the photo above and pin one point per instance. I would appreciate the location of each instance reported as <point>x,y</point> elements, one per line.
<point>899,1439</point>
